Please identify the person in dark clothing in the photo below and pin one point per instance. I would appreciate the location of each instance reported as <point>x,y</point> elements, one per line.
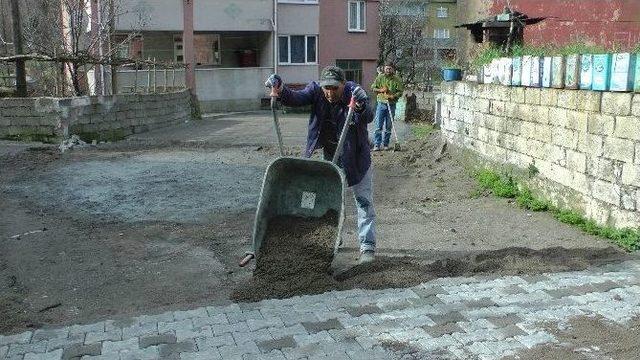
<point>329,98</point>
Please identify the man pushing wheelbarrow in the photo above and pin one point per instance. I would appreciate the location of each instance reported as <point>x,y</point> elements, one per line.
<point>330,98</point>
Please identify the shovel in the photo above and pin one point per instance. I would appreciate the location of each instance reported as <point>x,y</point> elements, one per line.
<point>396,144</point>
<point>300,187</point>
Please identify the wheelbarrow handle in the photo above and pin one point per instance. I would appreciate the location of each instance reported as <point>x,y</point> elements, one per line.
<point>345,128</point>
<point>246,259</point>
<point>274,96</point>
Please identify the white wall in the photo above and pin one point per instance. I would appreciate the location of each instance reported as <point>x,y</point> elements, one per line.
<point>209,15</point>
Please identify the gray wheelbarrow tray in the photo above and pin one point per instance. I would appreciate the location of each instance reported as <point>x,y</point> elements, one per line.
<point>300,187</point>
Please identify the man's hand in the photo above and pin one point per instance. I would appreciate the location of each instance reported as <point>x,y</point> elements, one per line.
<point>361,97</point>
<point>274,81</point>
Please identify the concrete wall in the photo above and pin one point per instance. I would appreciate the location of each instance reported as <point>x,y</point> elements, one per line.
<point>585,145</point>
<point>210,15</point>
<point>219,89</point>
<point>122,114</point>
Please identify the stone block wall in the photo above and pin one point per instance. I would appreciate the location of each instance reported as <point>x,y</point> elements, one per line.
<point>583,147</point>
<point>96,115</point>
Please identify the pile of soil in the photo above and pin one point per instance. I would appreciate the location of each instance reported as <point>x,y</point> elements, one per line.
<point>295,258</point>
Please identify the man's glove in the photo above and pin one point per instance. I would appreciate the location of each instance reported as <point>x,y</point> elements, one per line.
<point>273,81</point>
<point>361,98</point>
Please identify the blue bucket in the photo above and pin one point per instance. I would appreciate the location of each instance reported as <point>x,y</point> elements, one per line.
<point>451,74</point>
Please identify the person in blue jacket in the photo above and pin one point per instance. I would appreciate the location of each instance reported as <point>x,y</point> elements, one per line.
<point>329,98</point>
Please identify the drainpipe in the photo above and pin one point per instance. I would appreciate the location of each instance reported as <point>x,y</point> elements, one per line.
<point>274,23</point>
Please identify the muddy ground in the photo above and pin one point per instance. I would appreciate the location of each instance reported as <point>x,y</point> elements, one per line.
<point>124,230</point>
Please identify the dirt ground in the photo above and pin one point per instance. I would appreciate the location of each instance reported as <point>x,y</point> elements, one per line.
<point>123,230</point>
<point>590,338</point>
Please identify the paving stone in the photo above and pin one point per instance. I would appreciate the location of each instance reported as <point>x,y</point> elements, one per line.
<point>216,319</point>
<point>48,334</point>
<point>287,331</point>
<point>204,332</point>
<point>78,350</point>
<point>146,329</point>
<point>502,321</point>
<point>146,341</point>
<point>222,328</point>
<point>244,315</point>
<point>164,327</point>
<point>277,344</point>
<point>227,352</point>
<point>422,320</point>
<point>82,329</point>
<point>54,355</point>
<point>314,327</point>
<point>190,314</point>
<point>357,311</point>
<point>173,350</point>
<point>298,317</point>
<point>210,354</point>
<point>482,303</point>
<point>96,337</point>
<point>273,355</point>
<point>61,343</point>
<point>437,343</point>
<point>451,317</point>
<point>255,324</point>
<point>311,351</point>
<point>370,354</point>
<point>116,346</point>
<point>535,339</point>
<point>442,329</point>
<point>110,325</point>
<point>150,353</point>
<point>21,338</point>
<point>21,349</point>
<point>471,337</point>
<point>320,337</point>
<point>508,331</point>
<point>561,292</point>
<point>512,290</point>
<point>102,357</point>
<point>3,351</point>
<point>355,321</point>
<point>252,336</point>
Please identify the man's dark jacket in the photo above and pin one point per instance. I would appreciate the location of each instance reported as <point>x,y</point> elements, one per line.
<point>326,121</point>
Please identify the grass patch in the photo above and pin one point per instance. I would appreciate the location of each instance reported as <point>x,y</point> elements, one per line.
<point>47,139</point>
<point>499,185</point>
<point>504,185</point>
<point>110,136</point>
<point>421,131</point>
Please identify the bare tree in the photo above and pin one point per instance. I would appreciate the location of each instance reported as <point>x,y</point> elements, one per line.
<point>80,31</point>
<point>402,40</point>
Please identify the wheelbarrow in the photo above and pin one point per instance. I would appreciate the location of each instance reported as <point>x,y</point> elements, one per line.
<point>301,187</point>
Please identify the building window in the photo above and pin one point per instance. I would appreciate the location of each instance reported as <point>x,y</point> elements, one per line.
<point>297,49</point>
<point>441,33</point>
<point>357,15</point>
<point>442,12</point>
<point>178,50</point>
<point>352,69</point>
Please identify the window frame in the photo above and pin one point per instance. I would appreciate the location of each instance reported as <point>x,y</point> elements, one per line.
<point>306,54</point>
<point>442,10</point>
<point>445,31</point>
<point>361,15</point>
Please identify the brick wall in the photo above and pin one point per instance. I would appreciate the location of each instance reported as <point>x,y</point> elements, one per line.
<point>124,114</point>
<point>584,145</point>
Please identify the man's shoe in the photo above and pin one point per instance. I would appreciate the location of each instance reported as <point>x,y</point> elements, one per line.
<point>366,256</point>
<point>376,148</point>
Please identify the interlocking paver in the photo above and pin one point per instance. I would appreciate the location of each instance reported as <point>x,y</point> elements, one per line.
<point>478,317</point>
<point>55,355</point>
<point>21,338</point>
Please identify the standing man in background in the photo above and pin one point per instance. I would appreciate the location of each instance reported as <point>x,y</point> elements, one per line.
<point>389,88</point>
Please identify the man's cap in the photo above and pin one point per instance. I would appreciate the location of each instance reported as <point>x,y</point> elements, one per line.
<point>331,76</point>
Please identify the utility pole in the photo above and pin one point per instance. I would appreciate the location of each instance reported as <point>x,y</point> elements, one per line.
<point>112,28</point>
<point>21,74</point>
<point>187,45</point>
